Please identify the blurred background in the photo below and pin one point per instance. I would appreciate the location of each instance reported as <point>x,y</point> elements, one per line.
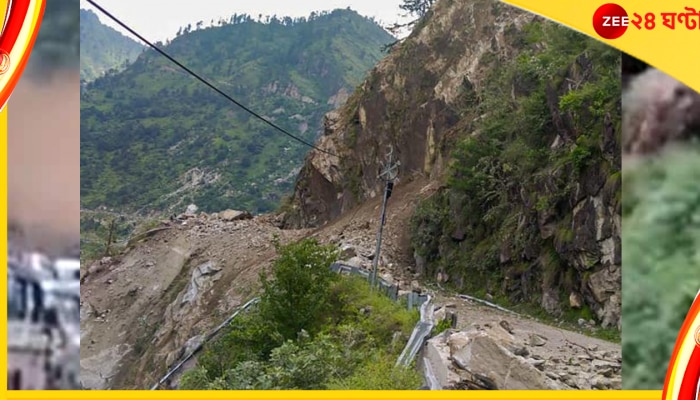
<point>661,252</point>
<point>44,209</point>
<point>43,139</point>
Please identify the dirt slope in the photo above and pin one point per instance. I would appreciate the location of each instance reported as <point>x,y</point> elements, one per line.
<point>141,310</point>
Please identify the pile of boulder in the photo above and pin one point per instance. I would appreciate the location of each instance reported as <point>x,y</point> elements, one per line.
<point>492,358</point>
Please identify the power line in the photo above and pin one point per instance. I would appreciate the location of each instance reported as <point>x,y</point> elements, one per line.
<point>204,81</point>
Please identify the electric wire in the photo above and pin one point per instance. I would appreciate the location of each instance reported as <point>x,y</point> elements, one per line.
<point>204,81</point>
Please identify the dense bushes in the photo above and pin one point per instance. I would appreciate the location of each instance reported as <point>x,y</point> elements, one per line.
<point>533,130</point>
<point>299,296</point>
<point>661,260</point>
<point>312,330</point>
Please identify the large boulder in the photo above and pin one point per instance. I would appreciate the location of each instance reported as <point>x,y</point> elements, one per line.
<point>234,215</point>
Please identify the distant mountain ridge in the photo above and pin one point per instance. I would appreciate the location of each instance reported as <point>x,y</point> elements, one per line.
<point>155,139</point>
<point>103,48</point>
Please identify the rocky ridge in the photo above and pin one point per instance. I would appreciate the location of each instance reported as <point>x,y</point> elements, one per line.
<point>456,35</point>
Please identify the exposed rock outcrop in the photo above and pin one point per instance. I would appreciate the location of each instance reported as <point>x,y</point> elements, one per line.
<point>557,230</point>
<point>406,102</point>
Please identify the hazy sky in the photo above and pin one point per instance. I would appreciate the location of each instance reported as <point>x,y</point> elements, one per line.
<point>158,20</point>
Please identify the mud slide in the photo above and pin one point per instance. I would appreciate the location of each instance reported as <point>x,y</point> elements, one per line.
<point>43,161</point>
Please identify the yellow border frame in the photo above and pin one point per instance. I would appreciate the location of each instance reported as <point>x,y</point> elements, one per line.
<point>342,395</point>
<point>660,49</point>
<point>3,245</point>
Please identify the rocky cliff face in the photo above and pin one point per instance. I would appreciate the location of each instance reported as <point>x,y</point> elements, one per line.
<point>407,102</point>
<point>519,121</point>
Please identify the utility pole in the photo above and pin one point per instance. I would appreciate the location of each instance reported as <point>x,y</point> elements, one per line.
<point>388,175</point>
<point>110,236</point>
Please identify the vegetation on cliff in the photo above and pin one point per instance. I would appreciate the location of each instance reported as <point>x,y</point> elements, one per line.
<point>313,329</point>
<point>532,145</point>
<point>661,238</point>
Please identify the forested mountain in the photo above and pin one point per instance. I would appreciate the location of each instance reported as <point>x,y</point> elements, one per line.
<point>153,137</point>
<point>103,48</point>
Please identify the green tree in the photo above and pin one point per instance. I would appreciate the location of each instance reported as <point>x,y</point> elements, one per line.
<point>417,7</point>
<point>298,296</point>
<point>250,338</point>
<point>102,48</point>
<point>311,330</point>
<point>307,364</point>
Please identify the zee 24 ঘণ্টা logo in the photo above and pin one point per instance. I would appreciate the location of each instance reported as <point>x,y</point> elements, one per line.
<point>683,376</point>
<point>21,20</point>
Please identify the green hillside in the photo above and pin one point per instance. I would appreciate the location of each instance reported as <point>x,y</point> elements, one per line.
<point>153,137</point>
<point>103,48</point>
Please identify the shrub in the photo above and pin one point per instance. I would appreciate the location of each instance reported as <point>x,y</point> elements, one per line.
<point>379,373</point>
<point>371,312</point>
<point>250,337</point>
<point>195,379</point>
<point>297,298</point>
<point>442,326</point>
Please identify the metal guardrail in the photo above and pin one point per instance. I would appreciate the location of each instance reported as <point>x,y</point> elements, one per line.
<point>486,303</point>
<point>207,338</point>
<point>419,334</point>
<point>433,383</point>
<point>391,290</point>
